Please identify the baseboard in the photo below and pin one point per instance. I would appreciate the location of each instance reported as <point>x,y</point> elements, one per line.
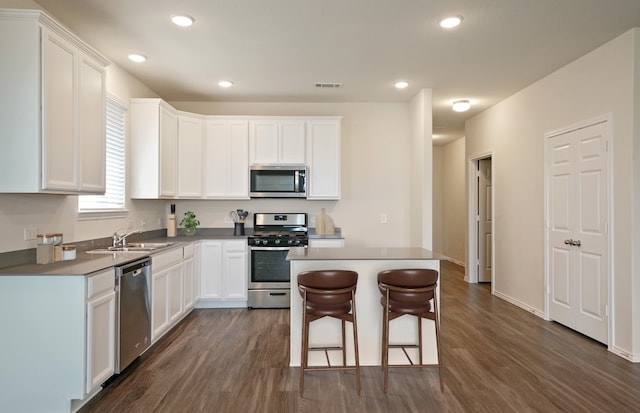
<point>520,304</point>
<point>220,304</point>
<point>634,358</point>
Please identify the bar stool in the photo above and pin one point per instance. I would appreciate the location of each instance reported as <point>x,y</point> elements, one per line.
<point>408,292</point>
<point>328,293</point>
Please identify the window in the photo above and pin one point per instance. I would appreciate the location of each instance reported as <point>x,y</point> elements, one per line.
<point>113,199</point>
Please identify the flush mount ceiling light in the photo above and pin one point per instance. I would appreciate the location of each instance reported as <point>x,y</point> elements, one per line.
<point>401,85</point>
<point>225,83</point>
<point>182,20</point>
<point>461,105</point>
<point>450,22</point>
<point>138,58</point>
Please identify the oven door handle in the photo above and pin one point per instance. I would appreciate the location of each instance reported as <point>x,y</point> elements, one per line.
<point>269,248</point>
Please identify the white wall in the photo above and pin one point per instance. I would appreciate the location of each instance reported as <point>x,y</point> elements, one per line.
<point>599,83</point>
<point>449,200</point>
<point>375,169</point>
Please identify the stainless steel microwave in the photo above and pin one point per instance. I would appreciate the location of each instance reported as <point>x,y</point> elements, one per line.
<point>278,181</point>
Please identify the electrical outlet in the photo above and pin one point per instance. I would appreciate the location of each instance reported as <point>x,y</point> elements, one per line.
<point>143,223</point>
<point>29,233</point>
<point>383,218</point>
<point>228,220</point>
<point>129,224</point>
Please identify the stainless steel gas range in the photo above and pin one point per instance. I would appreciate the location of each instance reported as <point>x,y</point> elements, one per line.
<point>269,277</point>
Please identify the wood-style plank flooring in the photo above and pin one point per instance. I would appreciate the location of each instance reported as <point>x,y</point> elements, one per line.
<point>497,358</point>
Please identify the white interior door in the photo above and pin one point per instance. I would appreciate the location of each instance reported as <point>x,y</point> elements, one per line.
<point>578,194</point>
<point>484,220</point>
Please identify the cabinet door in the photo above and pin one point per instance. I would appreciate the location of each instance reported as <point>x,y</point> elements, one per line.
<point>226,164</point>
<point>168,152</point>
<point>159,302</point>
<point>101,328</point>
<point>91,125</point>
<point>188,284</point>
<point>211,269</point>
<point>175,293</point>
<point>323,159</point>
<point>292,142</point>
<point>59,143</point>
<point>263,142</point>
<point>190,146</point>
<point>234,272</point>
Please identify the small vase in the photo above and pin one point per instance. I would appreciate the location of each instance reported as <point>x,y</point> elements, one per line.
<point>188,231</point>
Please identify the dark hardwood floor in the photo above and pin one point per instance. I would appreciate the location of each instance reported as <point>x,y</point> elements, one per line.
<point>497,358</point>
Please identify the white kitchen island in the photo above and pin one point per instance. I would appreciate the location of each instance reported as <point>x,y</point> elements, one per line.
<point>367,262</point>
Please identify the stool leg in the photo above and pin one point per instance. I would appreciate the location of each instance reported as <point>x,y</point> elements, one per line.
<point>385,350</point>
<point>304,347</point>
<point>344,345</point>
<point>436,319</point>
<point>419,339</point>
<point>355,342</point>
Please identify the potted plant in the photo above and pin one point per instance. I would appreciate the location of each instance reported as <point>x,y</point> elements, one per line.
<point>190,223</point>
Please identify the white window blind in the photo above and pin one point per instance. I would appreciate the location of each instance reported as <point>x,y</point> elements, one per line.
<point>113,199</point>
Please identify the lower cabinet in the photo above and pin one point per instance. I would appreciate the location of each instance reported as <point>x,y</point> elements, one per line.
<point>171,288</point>
<point>101,328</point>
<point>326,242</point>
<point>223,273</point>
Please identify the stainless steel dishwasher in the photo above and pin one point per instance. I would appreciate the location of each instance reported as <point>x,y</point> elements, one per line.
<point>133,303</point>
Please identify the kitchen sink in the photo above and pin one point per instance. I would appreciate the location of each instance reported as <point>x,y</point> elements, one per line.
<point>133,247</point>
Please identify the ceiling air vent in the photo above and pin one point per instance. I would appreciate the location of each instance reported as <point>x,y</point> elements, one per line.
<point>327,85</point>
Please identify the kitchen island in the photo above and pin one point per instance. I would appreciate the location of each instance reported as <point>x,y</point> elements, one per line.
<point>367,262</point>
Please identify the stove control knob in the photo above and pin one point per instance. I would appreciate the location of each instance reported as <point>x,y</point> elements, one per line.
<point>264,242</point>
<point>290,242</point>
<point>277,241</point>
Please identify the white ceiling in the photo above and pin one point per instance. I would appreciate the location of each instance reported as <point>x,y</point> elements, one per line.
<point>276,50</point>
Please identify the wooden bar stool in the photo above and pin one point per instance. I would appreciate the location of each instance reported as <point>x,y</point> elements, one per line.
<point>408,292</point>
<point>328,293</point>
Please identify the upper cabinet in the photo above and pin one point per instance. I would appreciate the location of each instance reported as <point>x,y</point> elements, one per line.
<point>154,149</point>
<point>226,163</point>
<point>190,154</point>
<point>323,159</point>
<point>52,107</point>
<point>183,155</point>
<point>274,141</point>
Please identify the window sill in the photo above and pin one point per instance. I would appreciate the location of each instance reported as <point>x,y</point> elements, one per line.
<point>102,214</point>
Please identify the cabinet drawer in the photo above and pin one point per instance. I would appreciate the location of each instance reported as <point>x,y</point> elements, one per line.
<point>188,251</point>
<point>235,246</point>
<point>101,282</point>
<point>166,259</point>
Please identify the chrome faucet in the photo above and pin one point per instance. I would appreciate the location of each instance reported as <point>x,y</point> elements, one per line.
<point>121,240</point>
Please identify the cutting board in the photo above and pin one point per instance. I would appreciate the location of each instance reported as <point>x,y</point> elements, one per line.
<point>324,224</point>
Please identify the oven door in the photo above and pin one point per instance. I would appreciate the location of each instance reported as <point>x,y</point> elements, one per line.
<point>269,268</point>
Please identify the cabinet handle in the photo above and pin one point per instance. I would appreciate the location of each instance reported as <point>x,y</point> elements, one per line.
<point>568,242</point>
<point>576,243</point>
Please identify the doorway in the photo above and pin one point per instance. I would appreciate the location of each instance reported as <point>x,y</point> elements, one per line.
<point>480,220</point>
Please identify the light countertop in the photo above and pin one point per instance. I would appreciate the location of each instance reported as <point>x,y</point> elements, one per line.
<point>371,253</point>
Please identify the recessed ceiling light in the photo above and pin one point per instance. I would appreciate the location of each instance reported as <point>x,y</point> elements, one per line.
<point>461,105</point>
<point>450,22</point>
<point>225,83</point>
<point>138,58</point>
<point>182,20</point>
<point>401,85</point>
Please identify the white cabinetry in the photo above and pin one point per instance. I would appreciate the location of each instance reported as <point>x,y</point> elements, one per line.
<point>101,328</point>
<point>171,277</point>
<point>277,141</point>
<point>223,273</point>
<point>326,242</point>
<point>323,159</point>
<point>52,107</point>
<point>154,149</point>
<point>190,148</point>
<point>226,159</point>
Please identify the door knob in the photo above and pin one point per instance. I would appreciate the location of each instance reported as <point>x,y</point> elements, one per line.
<point>568,242</point>
<point>576,243</point>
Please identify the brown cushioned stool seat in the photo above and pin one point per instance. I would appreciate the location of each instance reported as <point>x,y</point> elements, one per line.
<point>328,293</point>
<point>408,292</point>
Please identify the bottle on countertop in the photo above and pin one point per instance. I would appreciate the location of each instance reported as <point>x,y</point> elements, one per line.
<point>171,222</point>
